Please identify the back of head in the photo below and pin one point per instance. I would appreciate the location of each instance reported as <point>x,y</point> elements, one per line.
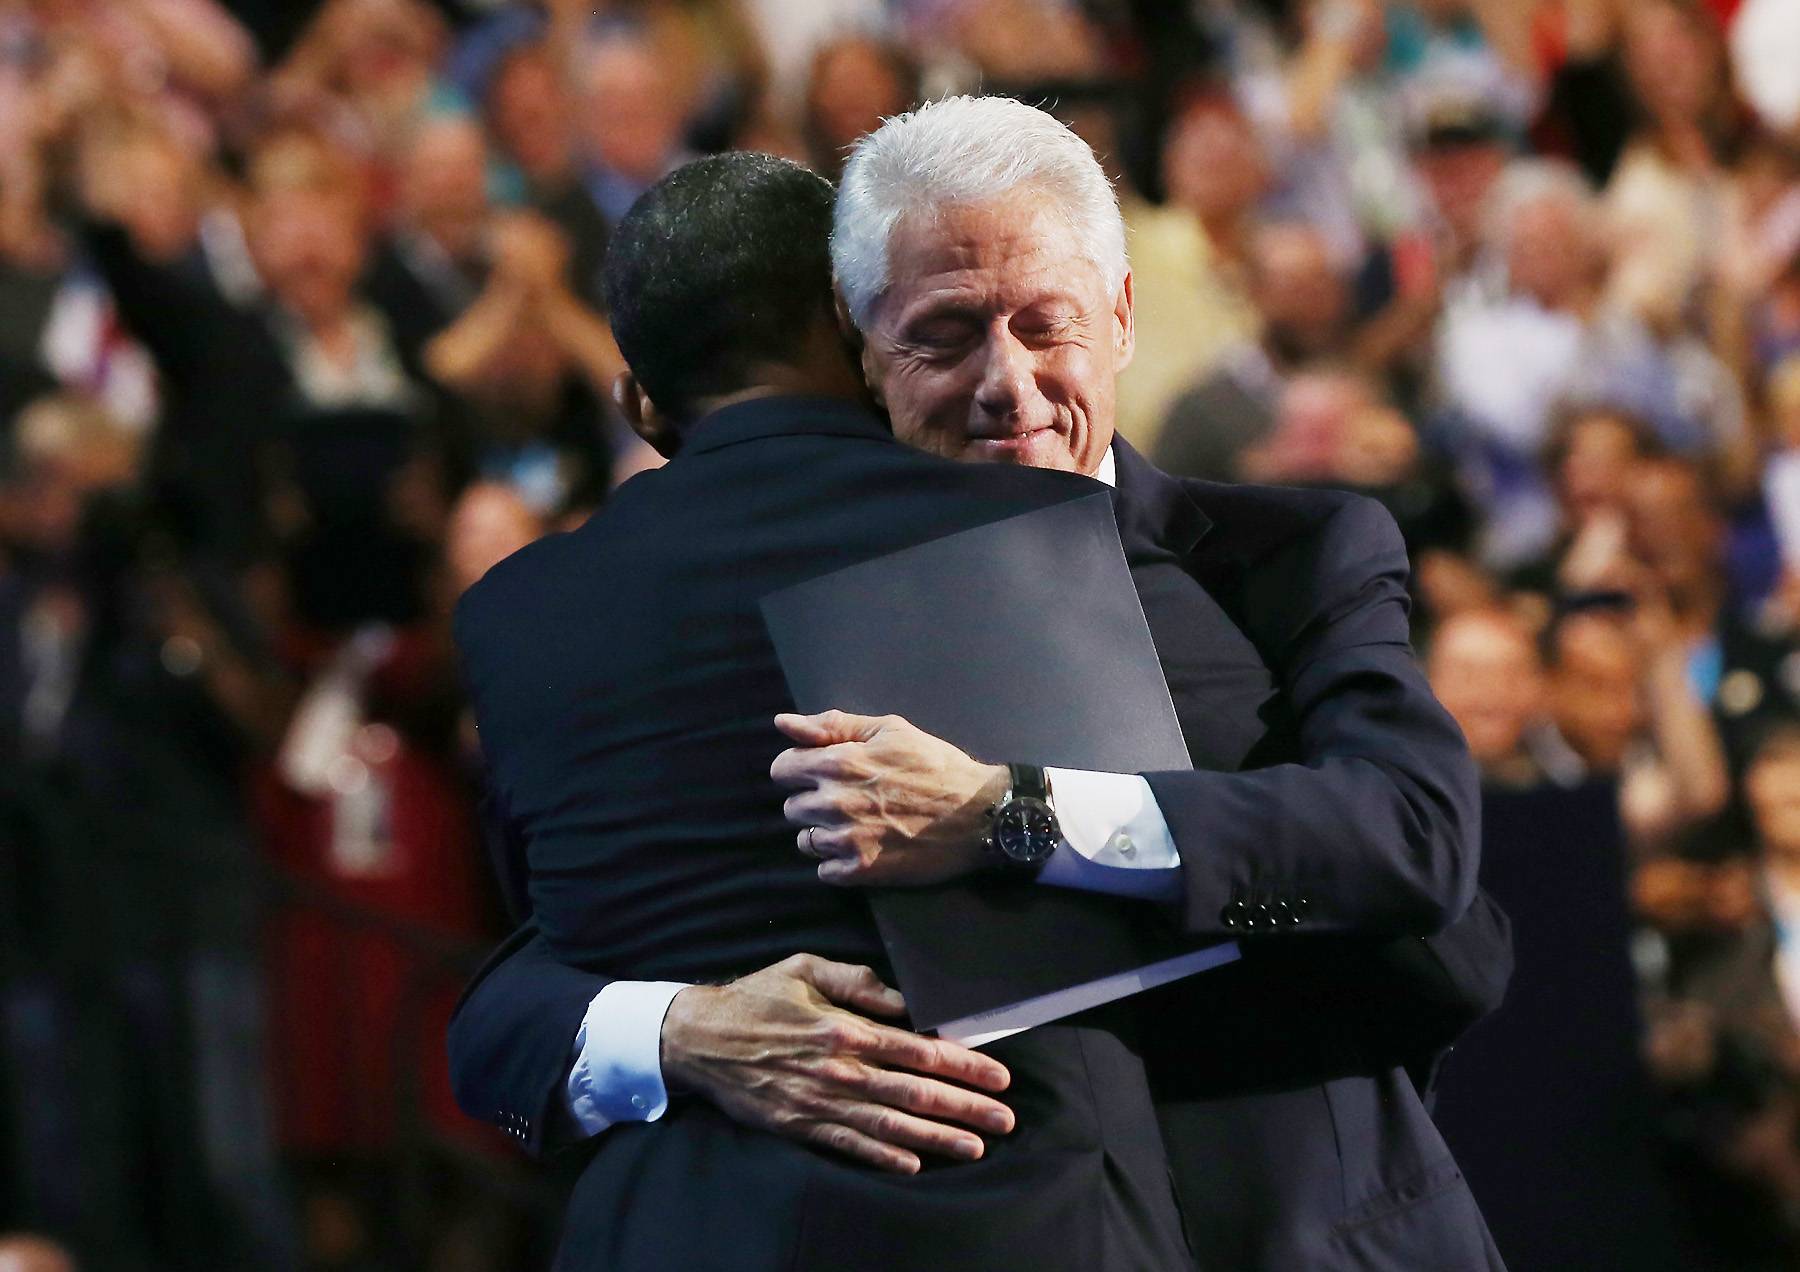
<point>721,266</point>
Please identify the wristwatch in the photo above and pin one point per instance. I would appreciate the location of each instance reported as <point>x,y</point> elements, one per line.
<point>1023,830</point>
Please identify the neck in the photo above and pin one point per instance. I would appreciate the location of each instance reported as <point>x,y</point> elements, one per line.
<point>783,381</point>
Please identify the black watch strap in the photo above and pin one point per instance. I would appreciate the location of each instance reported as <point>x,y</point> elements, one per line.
<point>1028,781</point>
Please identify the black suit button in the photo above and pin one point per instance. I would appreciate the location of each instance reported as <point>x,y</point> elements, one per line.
<point>1234,914</point>
<point>1265,917</point>
<point>1301,906</point>
<point>1283,914</point>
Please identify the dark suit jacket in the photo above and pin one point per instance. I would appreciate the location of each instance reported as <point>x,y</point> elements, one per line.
<point>1295,1136</point>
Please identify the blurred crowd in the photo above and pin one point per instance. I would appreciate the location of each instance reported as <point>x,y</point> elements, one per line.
<point>300,331</point>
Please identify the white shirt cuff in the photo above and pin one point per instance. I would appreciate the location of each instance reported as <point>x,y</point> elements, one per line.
<point>617,1074</point>
<point>1114,837</point>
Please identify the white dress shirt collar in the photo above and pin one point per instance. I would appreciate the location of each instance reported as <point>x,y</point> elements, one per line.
<point>1108,471</point>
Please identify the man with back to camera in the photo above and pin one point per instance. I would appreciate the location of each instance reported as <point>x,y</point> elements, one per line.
<point>1264,1180</point>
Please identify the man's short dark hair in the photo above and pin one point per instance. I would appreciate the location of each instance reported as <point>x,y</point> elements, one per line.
<point>723,264</point>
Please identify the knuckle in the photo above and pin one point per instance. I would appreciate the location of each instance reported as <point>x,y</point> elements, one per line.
<point>787,1120</point>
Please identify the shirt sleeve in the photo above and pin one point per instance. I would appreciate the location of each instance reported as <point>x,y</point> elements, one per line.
<point>617,1071</point>
<point>1114,837</point>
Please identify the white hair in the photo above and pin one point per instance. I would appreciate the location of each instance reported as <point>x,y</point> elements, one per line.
<point>1527,182</point>
<point>967,150</point>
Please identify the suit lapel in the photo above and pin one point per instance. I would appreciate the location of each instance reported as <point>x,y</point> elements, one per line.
<point>1155,510</point>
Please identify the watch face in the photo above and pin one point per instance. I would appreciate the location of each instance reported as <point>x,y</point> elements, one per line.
<point>1027,831</point>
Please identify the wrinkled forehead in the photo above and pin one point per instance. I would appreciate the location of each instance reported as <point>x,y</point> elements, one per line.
<point>1009,252</point>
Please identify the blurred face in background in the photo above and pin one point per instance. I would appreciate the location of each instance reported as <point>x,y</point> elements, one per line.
<point>1594,689</point>
<point>1214,164</point>
<point>1459,176</point>
<point>158,198</point>
<point>1551,254</point>
<point>1772,787</point>
<point>386,46</point>
<point>1484,668</point>
<point>855,84</point>
<point>1596,464</point>
<point>634,117</point>
<point>996,338</point>
<point>489,524</point>
<point>444,185</point>
<point>529,114</point>
<point>1674,64</point>
<point>1299,291</point>
<point>1674,529</point>
<point>523,382</point>
<point>1332,427</point>
<point>308,244</point>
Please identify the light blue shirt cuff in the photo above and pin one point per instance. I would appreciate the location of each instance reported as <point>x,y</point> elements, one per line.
<point>617,1073</point>
<point>1115,838</point>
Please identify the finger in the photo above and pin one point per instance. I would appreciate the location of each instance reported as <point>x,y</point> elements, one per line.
<point>828,727</point>
<point>864,1148</point>
<point>855,987</point>
<point>929,1098</point>
<point>823,844</point>
<point>887,1045</point>
<point>892,1126</point>
<point>844,867</point>
<point>813,807</point>
<point>804,767</point>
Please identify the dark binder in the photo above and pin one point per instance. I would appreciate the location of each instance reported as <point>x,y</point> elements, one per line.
<point>1019,641</point>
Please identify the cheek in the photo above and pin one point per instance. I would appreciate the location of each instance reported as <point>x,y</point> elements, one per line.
<point>927,408</point>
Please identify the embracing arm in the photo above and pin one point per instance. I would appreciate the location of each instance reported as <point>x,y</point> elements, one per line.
<point>512,1036</point>
<point>1373,831</point>
<point>554,1054</point>
<point>1376,830</point>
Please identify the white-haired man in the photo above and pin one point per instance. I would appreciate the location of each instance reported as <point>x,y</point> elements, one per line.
<point>979,255</point>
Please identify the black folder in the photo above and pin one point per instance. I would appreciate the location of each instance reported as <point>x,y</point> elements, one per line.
<point>1020,641</point>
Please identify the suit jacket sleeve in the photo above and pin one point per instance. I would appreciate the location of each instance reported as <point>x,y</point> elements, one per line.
<point>512,1037</point>
<point>1375,830</point>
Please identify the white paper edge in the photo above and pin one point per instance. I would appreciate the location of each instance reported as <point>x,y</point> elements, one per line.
<point>1003,1022</point>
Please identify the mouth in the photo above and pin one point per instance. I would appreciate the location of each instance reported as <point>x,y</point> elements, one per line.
<point>1011,445</point>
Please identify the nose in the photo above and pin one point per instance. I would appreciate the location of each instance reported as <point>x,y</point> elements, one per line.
<point>1005,378</point>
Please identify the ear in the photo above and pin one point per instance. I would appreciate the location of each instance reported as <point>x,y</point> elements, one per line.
<point>840,309</point>
<point>641,413</point>
<point>872,371</point>
<point>1124,328</point>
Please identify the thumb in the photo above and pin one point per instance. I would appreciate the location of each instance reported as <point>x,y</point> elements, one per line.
<point>828,727</point>
<point>855,987</point>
